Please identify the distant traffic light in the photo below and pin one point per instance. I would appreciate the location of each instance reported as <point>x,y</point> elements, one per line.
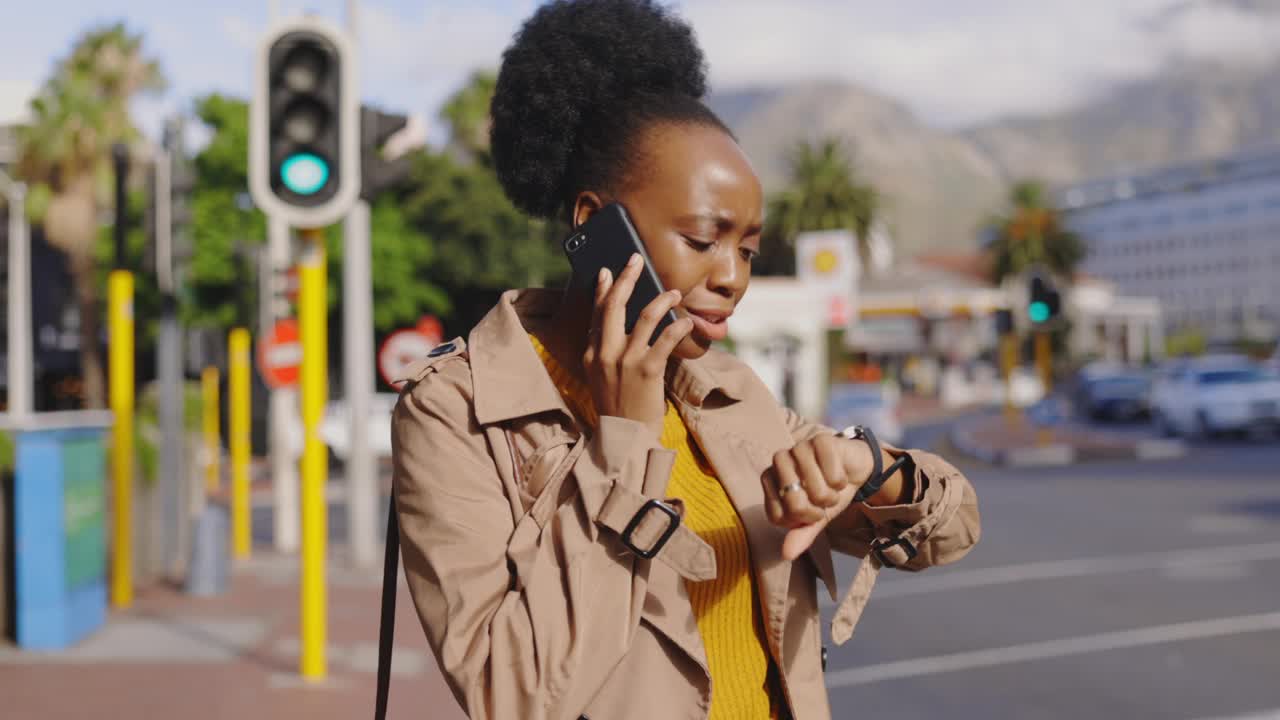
<point>304,154</point>
<point>1043,300</point>
<point>377,173</point>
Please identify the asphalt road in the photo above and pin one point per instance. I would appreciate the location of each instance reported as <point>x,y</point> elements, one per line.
<point>1115,590</point>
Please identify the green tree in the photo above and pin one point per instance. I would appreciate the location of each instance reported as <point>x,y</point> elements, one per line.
<point>220,287</point>
<point>225,226</point>
<point>1031,233</point>
<point>65,153</point>
<point>467,114</point>
<point>481,242</point>
<point>823,193</point>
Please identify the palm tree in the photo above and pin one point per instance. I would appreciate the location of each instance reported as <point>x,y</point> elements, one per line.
<point>823,194</point>
<point>82,110</point>
<point>1031,234</point>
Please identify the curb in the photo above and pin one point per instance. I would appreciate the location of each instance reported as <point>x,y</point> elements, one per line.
<point>1063,454</point>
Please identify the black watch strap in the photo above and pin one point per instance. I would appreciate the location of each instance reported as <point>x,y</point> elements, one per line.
<point>877,477</point>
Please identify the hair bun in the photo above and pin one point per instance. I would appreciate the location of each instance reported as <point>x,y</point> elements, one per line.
<point>573,58</point>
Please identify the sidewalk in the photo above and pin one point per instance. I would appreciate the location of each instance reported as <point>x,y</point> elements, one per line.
<point>231,657</point>
<point>996,440</point>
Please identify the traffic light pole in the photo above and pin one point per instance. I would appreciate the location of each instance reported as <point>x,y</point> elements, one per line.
<point>312,316</point>
<point>282,403</point>
<point>357,340</point>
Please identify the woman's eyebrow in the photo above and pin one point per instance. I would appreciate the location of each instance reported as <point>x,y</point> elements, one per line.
<point>720,221</point>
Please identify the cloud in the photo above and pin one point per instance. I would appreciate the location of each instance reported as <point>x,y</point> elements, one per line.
<point>957,63</point>
<point>412,63</point>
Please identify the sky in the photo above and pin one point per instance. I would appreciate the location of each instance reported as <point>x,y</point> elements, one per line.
<point>954,63</point>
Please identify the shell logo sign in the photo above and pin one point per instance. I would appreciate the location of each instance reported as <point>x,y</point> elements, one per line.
<point>825,262</point>
<point>828,259</point>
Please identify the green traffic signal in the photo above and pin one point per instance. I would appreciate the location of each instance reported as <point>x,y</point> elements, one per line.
<point>1038,311</point>
<point>304,173</point>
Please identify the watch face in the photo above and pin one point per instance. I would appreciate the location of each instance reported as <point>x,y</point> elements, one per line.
<point>853,432</point>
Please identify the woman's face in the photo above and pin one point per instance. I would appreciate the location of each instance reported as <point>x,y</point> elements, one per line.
<point>697,204</point>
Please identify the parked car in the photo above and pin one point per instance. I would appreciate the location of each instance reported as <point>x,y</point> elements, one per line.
<point>872,404</point>
<point>1122,396</point>
<point>1207,399</point>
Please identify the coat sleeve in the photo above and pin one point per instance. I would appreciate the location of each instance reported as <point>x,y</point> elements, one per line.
<point>940,525</point>
<point>526,618</point>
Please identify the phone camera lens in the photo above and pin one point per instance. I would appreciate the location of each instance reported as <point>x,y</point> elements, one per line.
<point>574,243</point>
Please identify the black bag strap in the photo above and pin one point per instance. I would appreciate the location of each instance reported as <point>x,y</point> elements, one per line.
<point>387,626</point>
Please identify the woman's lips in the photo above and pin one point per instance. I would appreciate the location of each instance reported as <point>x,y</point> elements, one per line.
<point>713,327</point>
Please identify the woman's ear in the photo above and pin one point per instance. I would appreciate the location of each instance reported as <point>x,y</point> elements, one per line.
<point>584,206</point>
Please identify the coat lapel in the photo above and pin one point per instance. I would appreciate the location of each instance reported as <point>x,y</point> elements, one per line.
<point>739,461</point>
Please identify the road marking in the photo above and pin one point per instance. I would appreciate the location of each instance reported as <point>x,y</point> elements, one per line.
<point>1050,649</point>
<point>1081,567</point>
<point>1261,715</point>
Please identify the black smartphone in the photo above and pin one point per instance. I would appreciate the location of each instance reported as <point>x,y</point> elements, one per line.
<point>607,240</point>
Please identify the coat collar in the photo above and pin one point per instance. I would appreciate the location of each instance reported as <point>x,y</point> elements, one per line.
<point>511,382</point>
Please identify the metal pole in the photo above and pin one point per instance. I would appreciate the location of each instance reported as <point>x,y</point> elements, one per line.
<point>209,379</point>
<point>312,316</point>
<point>120,333</point>
<point>283,412</point>
<point>353,21</point>
<point>238,438</point>
<point>357,335</point>
<point>19,300</point>
<point>169,369</point>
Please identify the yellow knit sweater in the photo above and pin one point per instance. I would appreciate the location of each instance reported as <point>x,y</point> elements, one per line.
<point>726,608</point>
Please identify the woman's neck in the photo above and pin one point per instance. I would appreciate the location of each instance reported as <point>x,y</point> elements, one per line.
<point>564,334</point>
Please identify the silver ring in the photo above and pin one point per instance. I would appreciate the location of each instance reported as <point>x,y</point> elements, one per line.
<point>789,488</point>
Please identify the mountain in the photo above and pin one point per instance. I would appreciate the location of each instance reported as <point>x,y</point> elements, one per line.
<point>940,185</point>
<point>936,186</point>
<point>1189,112</point>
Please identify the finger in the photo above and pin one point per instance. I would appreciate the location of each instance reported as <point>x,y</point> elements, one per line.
<point>603,282</point>
<point>815,485</point>
<point>772,505</point>
<point>831,462</point>
<point>613,325</point>
<point>800,539</point>
<point>797,510</point>
<point>668,340</point>
<point>638,343</point>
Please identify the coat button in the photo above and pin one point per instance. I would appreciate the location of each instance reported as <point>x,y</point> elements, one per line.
<point>439,350</point>
<point>824,658</point>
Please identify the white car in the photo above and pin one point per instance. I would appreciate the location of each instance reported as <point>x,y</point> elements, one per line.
<point>1207,399</point>
<point>872,404</point>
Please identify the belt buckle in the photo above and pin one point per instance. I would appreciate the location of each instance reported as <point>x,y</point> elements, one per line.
<point>879,546</point>
<point>673,522</point>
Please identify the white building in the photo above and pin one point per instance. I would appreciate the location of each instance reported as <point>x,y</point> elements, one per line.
<point>1203,239</point>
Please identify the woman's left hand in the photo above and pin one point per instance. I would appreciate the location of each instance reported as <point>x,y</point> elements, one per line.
<point>811,484</point>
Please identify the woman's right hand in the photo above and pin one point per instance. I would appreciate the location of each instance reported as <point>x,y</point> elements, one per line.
<point>627,375</point>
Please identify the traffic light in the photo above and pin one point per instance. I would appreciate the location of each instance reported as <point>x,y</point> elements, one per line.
<point>378,173</point>
<point>304,149</point>
<point>1043,301</point>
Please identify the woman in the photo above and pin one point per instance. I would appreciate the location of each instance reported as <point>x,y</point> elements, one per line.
<point>596,527</point>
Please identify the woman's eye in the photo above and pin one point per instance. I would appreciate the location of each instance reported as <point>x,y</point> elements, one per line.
<point>748,254</point>
<point>699,245</point>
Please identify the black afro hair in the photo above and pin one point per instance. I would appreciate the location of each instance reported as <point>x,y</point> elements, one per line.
<point>579,80</point>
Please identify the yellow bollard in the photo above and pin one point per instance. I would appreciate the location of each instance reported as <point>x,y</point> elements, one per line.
<point>238,419</point>
<point>1044,363</point>
<point>313,322</point>
<point>1008,361</point>
<point>212,435</point>
<point>120,390</point>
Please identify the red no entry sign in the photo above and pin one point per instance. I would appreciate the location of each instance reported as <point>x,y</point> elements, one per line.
<point>280,355</point>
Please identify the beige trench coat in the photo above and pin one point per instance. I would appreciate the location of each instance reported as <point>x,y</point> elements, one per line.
<point>512,517</point>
